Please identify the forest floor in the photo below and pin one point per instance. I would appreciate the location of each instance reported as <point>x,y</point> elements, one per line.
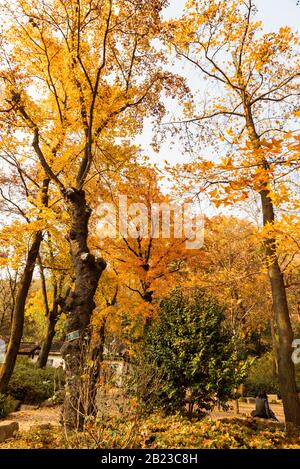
<point>32,417</point>
<point>40,428</point>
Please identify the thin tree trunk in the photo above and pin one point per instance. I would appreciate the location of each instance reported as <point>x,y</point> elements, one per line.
<point>284,333</point>
<point>148,298</point>
<point>53,314</point>
<point>19,309</point>
<point>18,314</point>
<point>237,406</point>
<point>46,345</point>
<point>80,305</point>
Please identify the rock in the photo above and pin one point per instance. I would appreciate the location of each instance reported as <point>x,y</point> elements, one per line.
<point>45,427</point>
<point>7,429</point>
<point>16,405</point>
<point>29,407</point>
<point>250,400</point>
<point>48,403</point>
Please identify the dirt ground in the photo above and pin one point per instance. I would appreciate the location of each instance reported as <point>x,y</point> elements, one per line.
<point>32,417</point>
<point>245,411</point>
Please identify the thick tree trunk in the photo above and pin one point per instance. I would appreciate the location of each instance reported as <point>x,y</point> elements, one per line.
<point>284,333</point>
<point>19,307</point>
<point>80,305</point>
<point>275,351</point>
<point>18,314</point>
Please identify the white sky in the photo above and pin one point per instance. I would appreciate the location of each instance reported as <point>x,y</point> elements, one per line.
<point>273,13</point>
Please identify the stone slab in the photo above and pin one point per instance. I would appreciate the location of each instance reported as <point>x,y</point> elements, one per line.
<point>7,429</point>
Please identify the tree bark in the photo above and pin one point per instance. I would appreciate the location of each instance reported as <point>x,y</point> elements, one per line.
<point>97,359</point>
<point>19,308</point>
<point>46,345</point>
<point>284,333</point>
<point>80,305</point>
<point>148,298</point>
<point>275,351</point>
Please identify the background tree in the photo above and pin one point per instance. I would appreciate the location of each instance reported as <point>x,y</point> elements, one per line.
<point>77,75</point>
<point>151,259</point>
<point>7,298</point>
<point>24,283</point>
<point>232,269</point>
<point>259,76</point>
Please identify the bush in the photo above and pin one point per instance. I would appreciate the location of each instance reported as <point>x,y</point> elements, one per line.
<point>6,405</point>
<point>144,382</point>
<point>195,353</point>
<point>32,385</point>
<point>261,377</point>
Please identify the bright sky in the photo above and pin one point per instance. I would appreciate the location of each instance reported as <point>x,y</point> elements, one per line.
<point>273,13</point>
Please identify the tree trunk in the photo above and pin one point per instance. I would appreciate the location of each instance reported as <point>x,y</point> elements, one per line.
<point>19,307</point>
<point>284,333</point>
<point>275,351</point>
<point>284,339</point>
<point>80,305</point>
<point>237,406</point>
<point>46,345</point>
<point>148,298</point>
<point>97,359</point>
<point>18,314</point>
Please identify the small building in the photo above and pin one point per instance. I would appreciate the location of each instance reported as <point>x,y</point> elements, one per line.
<point>114,366</point>
<point>32,350</point>
<point>29,349</point>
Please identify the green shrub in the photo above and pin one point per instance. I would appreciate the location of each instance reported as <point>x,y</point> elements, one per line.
<point>6,404</point>
<point>32,385</point>
<point>194,352</point>
<point>261,377</point>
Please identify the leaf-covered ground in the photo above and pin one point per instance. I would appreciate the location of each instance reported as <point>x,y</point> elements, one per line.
<point>161,432</point>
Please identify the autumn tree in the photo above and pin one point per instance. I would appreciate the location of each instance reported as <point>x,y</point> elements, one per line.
<point>77,75</point>
<point>7,297</point>
<point>152,255</point>
<point>257,75</point>
<point>232,269</point>
<point>29,252</point>
<point>24,196</point>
